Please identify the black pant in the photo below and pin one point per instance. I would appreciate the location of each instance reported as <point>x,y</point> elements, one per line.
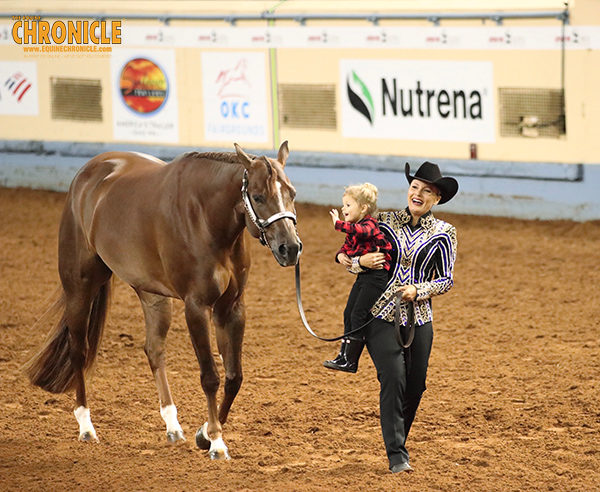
<point>400,392</point>
<point>366,290</point>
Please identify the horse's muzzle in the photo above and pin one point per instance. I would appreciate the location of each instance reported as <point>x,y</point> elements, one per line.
<point>288,252</point>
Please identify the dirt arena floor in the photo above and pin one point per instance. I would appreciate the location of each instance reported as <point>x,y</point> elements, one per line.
<point>512,402</point>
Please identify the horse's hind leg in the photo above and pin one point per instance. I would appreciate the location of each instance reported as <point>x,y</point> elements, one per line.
<point>230,320</point>
<point>86,283</point>
<point>157,313</point>
<point>86,300</point>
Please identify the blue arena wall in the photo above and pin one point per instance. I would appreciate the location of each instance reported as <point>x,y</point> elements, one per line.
<point>546,191</point>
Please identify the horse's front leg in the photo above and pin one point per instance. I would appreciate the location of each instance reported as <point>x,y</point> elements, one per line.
<point>197,317</point>
<point>157,314</point>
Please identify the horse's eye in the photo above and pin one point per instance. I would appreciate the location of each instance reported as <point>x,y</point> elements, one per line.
<point>258,198</point>
<point>293,194</point>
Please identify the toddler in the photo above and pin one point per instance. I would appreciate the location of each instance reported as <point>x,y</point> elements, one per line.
<point>362,236</point>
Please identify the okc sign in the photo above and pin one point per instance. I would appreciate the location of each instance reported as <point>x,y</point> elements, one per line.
<point>234,89</point>
<point>33,30</point>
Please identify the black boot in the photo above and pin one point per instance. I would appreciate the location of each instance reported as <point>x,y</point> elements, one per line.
<point>340,358</point>
<point>347,359</point>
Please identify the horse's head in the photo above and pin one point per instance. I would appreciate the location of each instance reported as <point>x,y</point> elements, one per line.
<point>269,200</point>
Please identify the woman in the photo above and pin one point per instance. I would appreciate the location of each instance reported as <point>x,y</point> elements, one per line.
<point>426,250</point>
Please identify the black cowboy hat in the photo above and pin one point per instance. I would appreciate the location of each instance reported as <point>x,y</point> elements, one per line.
<point>430,173</point>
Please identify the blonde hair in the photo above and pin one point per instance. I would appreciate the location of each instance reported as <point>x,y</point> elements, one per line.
<point>364,194</point>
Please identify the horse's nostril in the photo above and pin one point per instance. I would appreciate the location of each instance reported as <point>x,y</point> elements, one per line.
<point>283,249</point>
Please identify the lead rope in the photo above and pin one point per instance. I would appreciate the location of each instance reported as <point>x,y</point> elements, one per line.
<point>410,318</point>
<point>303,316</point>
<point>410,322</point>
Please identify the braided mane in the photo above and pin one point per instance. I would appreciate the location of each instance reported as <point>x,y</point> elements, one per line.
<point>232,158</point>
<point>229,157</point>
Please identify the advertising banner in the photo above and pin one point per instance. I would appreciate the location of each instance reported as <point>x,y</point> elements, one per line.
<point>18,88</point>
<point>448,101</point>
<point>235,97</point>
<point>144,96</point>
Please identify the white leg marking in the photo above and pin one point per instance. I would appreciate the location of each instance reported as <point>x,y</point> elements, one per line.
<point>86,429</point>
<point>218,449</point>
<point>169,415</point>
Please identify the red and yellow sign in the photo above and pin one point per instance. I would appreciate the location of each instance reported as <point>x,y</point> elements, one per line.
<point>144,86</point>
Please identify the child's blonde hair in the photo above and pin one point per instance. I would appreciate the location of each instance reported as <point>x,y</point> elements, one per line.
<point>364,194</point>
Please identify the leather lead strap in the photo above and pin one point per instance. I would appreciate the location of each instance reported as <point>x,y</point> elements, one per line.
<point>410,322</point>
<point>303,316</point>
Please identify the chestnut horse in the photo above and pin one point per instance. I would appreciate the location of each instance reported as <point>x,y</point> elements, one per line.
<point>170,231</point>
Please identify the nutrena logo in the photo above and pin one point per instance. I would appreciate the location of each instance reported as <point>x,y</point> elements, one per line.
<point>360,97</point>
<point>429,100</point>
<point>33,30</point>
<point>410,102</point>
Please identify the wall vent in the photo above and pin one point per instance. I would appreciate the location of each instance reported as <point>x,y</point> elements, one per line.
<point>76,99</point>
<point>532,113</point>
<point>307,106</point>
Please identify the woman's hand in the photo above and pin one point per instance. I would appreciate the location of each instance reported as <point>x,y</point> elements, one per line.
<point>335,216</point>
<point>374,261</point>
<point>344,259</point>
<point>409,292</point>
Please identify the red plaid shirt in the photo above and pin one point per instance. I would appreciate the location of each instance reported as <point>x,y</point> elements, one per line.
<point>363,237</point>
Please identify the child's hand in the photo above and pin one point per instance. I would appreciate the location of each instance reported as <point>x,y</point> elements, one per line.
<point>335,215</point>
<point>344,259</point>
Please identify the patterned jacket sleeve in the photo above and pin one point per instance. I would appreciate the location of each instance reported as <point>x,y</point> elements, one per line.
<point>445,258</point>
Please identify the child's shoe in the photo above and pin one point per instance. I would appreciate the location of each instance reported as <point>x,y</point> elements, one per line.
<point>347,359</point>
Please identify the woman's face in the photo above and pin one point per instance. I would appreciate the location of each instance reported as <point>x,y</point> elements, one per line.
<point>421,197</point>
<point>352,210</point>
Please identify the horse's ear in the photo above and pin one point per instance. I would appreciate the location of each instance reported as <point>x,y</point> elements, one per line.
<point>283,153</point>
<point>243,157</point>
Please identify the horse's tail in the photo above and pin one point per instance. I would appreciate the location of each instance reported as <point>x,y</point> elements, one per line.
<point>51,368</point>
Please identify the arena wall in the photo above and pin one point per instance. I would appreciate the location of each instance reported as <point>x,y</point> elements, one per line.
<point>508,105</point>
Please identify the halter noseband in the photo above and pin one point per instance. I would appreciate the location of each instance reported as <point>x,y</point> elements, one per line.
<point>259,223</point>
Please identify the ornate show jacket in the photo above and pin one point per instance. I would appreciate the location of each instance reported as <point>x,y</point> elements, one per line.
<point>426,256</point>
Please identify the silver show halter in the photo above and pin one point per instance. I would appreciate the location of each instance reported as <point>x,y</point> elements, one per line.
<point>259,223</point>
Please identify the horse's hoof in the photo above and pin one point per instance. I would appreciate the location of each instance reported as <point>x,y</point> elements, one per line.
<point>219,454</point>
<point>175,436</point>
<point>88,437</point>
<point>202,440</point>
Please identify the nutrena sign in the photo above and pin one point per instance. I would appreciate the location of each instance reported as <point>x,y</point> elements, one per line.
<point>433,100</point>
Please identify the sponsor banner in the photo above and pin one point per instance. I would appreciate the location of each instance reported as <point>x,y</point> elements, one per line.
<point>393,37</point>
<point>18,88</point>
<point>144,96</point>
<point>449,101</point>
<point>234,90</point>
